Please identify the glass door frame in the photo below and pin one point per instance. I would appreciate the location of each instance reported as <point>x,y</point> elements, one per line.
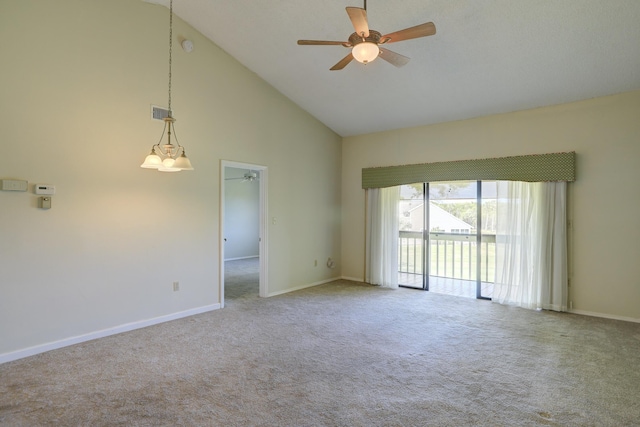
<point>426,241</point>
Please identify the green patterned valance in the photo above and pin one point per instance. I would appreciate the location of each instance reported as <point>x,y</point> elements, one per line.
<point>532,168</point>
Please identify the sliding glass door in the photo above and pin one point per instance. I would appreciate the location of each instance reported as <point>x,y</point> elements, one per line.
<point>445,242</point>
<point>412,244</point>
<point>453,237</point>
<point>488,203</point>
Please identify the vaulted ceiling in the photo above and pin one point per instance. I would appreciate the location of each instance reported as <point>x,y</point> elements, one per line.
<point>487,57</point>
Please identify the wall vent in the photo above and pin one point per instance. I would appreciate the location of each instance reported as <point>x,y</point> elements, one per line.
<point>159,113</point>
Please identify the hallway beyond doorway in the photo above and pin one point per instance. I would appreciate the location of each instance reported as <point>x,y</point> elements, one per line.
<point>241,278</point>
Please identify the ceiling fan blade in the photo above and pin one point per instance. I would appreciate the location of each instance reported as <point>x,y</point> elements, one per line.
<point>393,58</point>
<point>320,42</point>
<point>343,62</point>
<point>358,18</point>
<point>422,30</point>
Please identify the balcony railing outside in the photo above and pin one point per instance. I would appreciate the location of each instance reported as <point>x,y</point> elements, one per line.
<point>453,255</point>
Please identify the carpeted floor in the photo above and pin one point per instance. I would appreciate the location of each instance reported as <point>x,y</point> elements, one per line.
<point>340,354</point>
<point>241,278</point>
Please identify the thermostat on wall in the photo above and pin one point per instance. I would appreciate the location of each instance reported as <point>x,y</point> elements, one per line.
<point>45,189</point>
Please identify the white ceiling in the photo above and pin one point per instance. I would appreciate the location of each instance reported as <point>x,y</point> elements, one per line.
<point>487,57</point>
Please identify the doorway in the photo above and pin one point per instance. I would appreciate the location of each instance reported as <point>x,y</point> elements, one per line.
<point>447,237</point>
<point>243,230</point>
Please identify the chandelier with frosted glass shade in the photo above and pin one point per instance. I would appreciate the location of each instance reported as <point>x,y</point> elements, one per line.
<point>168,157</point>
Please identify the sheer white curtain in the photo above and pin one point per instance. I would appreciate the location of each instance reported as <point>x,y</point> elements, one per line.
<point>531,245</point>
<point>382,236</point>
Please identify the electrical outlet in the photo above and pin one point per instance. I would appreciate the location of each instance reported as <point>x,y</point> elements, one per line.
<point>176,286</point>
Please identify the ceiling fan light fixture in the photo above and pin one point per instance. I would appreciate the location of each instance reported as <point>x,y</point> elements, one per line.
<point>365,42</point>
<point>365,52</point>
<point>250,176</point>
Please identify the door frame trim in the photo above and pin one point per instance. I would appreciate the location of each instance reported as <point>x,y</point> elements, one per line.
<point>263,223</point>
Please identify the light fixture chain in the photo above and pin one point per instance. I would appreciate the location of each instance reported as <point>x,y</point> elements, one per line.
<point>170,45</point>
<point>167,157</point>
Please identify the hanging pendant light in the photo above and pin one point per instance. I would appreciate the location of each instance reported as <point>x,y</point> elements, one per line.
<point>168,157</point>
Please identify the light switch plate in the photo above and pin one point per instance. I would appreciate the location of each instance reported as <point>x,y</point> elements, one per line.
<point>14,185</point>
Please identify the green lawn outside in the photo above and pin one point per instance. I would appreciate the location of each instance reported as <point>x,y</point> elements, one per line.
<point>451,259</point>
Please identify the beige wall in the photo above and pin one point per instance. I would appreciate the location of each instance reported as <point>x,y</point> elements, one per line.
<point>78,78</point>
<point>604,202</point>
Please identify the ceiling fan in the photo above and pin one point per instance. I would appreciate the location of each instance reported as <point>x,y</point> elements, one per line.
<point>248,177</point>
<point>366,44</point>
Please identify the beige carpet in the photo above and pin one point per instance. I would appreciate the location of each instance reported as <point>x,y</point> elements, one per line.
<point>340,354</point>
<point>241,278</point>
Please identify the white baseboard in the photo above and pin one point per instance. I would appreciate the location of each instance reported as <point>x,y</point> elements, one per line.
<point>31,351</point>
<point>242,257</point>
<point>605,316</point>
<point>297,288</point>
<point>353,279</point>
